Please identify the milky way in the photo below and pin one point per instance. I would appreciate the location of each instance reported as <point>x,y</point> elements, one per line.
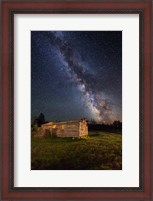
<point>102,106</point>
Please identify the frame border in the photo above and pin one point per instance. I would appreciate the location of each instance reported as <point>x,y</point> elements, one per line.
<point>141,88</point>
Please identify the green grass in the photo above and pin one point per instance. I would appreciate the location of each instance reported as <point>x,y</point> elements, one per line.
<point>98,151</point>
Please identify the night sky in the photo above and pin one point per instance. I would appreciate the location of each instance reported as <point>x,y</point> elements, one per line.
<point>76,74</point>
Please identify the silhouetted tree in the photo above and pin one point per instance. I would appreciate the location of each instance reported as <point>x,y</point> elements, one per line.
<point>117,125</point>
<point>40,120</point>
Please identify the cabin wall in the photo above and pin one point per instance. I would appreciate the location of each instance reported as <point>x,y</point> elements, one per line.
<point>64,129</point>
<point>83,129</point>
<point>68,130</point>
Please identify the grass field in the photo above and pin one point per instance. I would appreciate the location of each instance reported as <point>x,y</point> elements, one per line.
<point>98,151</point>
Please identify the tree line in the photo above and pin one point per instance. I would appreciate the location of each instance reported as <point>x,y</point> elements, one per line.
<point>116,126</point>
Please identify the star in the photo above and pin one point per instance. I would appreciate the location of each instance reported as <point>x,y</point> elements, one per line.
<point>77,71</point>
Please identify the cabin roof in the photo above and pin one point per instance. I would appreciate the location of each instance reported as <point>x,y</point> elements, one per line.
<point>63,122</point>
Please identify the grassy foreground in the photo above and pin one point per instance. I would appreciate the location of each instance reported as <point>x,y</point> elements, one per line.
<point>98,151</point>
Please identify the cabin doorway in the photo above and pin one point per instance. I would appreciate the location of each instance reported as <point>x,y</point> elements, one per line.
<point>54,132</point>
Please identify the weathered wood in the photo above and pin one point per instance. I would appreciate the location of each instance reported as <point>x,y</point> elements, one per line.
<point>65,129</point>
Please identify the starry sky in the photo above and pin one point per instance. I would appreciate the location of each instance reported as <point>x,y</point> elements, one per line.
<point>76,74</point>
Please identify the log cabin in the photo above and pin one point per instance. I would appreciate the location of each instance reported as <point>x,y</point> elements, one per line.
<point>75,128</point>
